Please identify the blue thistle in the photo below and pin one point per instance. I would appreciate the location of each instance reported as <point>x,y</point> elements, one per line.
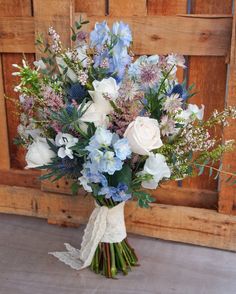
<point>77,92</point>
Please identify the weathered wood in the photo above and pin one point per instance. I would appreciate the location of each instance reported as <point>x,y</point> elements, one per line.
<point>22,178</point>
<point>166,7</point>
<point>15,8</point>
<point>190,225</point>
<point>17,154</point>
<point>228,192</point>
<point>17,34</point>
<point>91,7</point>
<point>209,75</point>
<point>189,36</point>
<point>4,150</point>
<point>58,14</point>
<point>167,194</point>
<point>123,8</point>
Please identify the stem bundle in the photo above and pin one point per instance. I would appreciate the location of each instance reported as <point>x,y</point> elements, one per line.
<point>111,258</point>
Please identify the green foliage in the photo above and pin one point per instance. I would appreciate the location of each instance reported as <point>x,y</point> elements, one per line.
<point>122,176</point>
<point>143,198</point>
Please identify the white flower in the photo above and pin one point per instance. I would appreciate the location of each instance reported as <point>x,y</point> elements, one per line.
<point>143,135</point>
<point>176,59</point>
<point>30,130</point>
<point>156,166</point>
<point>65,142</point>
<point>192,112</point>
<point>84,182</point>
<point>40,64</point>
<point>82,56</point>
<point>62,65</point>
<point>39,153</point>
<point>94,114</point>
<point>104,90</point>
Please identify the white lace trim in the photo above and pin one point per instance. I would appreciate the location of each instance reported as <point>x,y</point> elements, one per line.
<point>104,225</point>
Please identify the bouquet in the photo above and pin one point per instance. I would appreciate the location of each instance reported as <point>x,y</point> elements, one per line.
<point>117,126</point>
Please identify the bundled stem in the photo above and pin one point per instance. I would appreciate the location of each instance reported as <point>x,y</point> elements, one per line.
<point>111,258</point>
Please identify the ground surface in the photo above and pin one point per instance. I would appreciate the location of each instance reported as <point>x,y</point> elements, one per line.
<point>26,268</point>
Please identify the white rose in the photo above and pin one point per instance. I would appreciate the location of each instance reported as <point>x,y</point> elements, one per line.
<point>39,153</point>
<point>192,112</point>
<point>94,114</point>
<point>156,166</point>
<point>143,135</point>
<point>105,88</point>
<point>65,142</point>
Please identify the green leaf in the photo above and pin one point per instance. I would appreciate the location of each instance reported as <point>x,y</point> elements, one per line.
<point>74,188</point>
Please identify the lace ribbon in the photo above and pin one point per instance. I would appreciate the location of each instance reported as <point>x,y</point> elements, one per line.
<point>104,225</point>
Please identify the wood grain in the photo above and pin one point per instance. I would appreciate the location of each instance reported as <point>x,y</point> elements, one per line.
<point>227,192</point>
<point>184,224</point>
<point>58,14</point>
<point>189,36</point>
<point>209,74</point>
<point>123,8</point>
<point>166,7</point>
<point>21,178</point>
<point>4,150</point>
<point>91,7</point>
<point>17,154</point>
<point>15,8</point>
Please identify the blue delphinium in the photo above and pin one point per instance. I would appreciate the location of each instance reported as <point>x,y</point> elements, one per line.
<point>118,194</point>
<point>122,33</point>
<point>110,163</point>
<point>122,149</point>
<point>100,35</point>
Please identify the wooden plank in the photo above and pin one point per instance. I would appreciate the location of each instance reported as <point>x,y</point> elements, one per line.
<point>228,192</point>
<point>17,154</point>
<point>17,34</point>
<point>190,225</point>
<point>15,8</point>
<point>209,75</point>
<point>167,194</point>
<point>166,7</point>
<point>58,14</point>
<point>123,8</point>
<point>189,36</point>
<point>22,178</point>
<point>4,150</point>
<point>91,7</point>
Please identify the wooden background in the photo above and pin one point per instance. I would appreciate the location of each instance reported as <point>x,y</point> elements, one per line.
<point>204,31</point>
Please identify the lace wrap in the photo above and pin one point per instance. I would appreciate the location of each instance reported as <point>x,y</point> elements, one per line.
<point>104,225</point>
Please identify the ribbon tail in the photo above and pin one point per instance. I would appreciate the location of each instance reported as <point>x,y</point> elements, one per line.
<point>94,231</point>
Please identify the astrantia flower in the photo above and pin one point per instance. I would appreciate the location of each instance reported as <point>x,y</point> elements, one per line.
<point>134,68</point>
<point>176,59</point>
<point>167,125</point>
<point>149,75</point>
<point>173,103</point>
<point>123,33</point>
<point>100,35</point>
<point>129,90</point>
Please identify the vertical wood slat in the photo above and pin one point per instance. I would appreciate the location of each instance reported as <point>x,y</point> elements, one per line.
<point>58,14</point>
<point>4,150</point>
<point>12,9</point>
<point>168,8</point>
<point>209,76</point>
<point>127,8</point>
<point>91,7</point>
<point>227,193</point>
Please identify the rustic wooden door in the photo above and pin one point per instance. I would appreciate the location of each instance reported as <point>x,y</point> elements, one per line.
<point>199,29</point>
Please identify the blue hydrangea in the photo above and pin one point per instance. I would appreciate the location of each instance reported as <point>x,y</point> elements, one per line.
<point>108,192</point>
<point>121,59</point>
<point>100,35</point>
<point>123,33</point>
<point>122,149</point>
<point>102,138</point>
<point>110,163</point>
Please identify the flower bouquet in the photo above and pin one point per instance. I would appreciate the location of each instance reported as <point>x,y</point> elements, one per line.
<point>116,126</point>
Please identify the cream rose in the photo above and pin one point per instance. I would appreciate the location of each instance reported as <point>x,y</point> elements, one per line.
<point>94,114</point>
<point>39,153</point>
<point>143,135</point>
<point>156,166</point>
